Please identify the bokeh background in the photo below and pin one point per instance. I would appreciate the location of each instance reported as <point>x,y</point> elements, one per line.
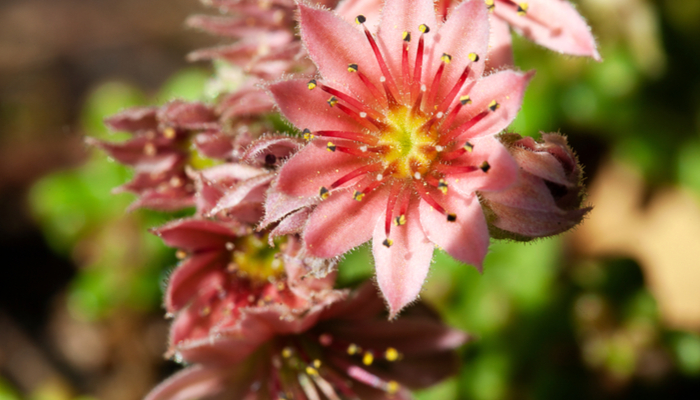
<point>610,310</point>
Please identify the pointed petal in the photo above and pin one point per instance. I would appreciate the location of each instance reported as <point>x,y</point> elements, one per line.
<point>293,224</point>
<point>502,172</point>
<point>195,235</point>
<point>500,53</point>
<point>214,144</point>
<point>279,146</point>
<point>505,87</point>
<point>340,223</point>
<point>465,31</point>
<point>186,115</point>
<point>403,267</point>
<point>467,238</point>
<point>332,44</point>
<point>184,281</point>
<point>308,109</point>
<point>278,205</point>
<point>313,167</point>
<point>248,191</point>
<point>554,24</point>
<point>191,383</point>
<point>133,119</point>
<point>400,16</point>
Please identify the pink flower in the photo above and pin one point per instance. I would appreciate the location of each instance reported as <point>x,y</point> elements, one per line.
<point>401,129</point>
<point>349,350</point>
<point>554,24</point>
<point>546,199</point>
<point>156,151</point>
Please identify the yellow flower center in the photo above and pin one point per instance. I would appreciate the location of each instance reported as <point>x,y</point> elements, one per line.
<point>409,149</point>
<point>254,259</point>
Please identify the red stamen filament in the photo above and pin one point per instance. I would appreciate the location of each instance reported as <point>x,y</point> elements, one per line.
<point>455,90</point>
<point>404,64</point>
<point>355,151</point>
<point>350,100</point>
<point>354,174</point>
<point>418,68</point>
<point>367,122</point>
<point>393,197</point>
<point>382,65</point>
<point>457,132</point>
<point>436,83</point>
<point>455,169</point>
<point>356,136</point>
<point>427,198</point>
<point>375,92</point>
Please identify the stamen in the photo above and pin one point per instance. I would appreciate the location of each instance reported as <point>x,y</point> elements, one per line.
<point>349,99</point>
<point>330,146</point>
<point>352,67</point>
<point>444,7</point>
<point>446,59</point>
<point>387,242</point>
<point>452,114</point>
<point>391,354</point>
<point>467,148</point>
<point>368,358</point>
<point>485,166</point>
<point>455,90</point>
<point>312,84</point>
<point>354,174</point>
<point>455,169</point>
<point>375,92</point>
<point>442,186</point>
<point>332,101</point>
<point>490,5</point>
<point>463,128</point>
<point>380,60</point>
<point>418,68</point>
<point>358,196</point>
<point>308,135</point>
<point>433,203</point>
<point>369,123</point>
<point>404,59</point>
<point>323,193</point>
<point>356,136</point>
<point>391,202</point>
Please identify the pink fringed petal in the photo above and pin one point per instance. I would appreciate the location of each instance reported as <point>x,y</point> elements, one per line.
<point>402,267</point>
<point>340,223</point>
<point>467,238</point>
<point>502,171</point>
<point>500,53</point>
<point>309,109</point>
<point>191,383</point>
<point>507,88</point>
<point>184,281</point>
<point>194,235</point>
<point>554,24</point>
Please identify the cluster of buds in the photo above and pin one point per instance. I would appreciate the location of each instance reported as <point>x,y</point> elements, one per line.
<point>399,142</point>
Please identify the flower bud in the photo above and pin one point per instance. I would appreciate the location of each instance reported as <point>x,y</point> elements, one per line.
<point>546,200</point>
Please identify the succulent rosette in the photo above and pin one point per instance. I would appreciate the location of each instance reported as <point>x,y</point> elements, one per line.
<point>401,127</point>
<point>347,349</point>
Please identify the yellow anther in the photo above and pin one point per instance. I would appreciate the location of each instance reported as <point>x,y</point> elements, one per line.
<point>323,193</point>
<point>353,349</point>
<point>358,196</point>
<point>493,105</point>
<point>311,370</point>
<point>287,352</point>
<point>352,67</point>
<point>391,354</point>
<point>317,363</point>
<point>424,28</point>
<point>332,101</point>
<point>442,186</point>
<point>468,147</point>
<point>451,217</point>
<point>360,19</point>
<point>465,100</point>
<point>169,133</point>
<point>485,166</point>
<point>400,220</point>
<point>406,36</point>
<point>387,242</point>
<point>307,134</point>
<point>446,58</point>
<point>474,57</point>
<point>392,387</point>
<point>522,8</point>
<point>330,146</point>
<point>180,254</point>
<point>368,358</point>
<point>312,84</point>
<point>490,5</point>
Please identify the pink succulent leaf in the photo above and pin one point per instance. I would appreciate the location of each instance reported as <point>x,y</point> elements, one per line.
<point>333,44</point>
<point>292,224</point>
<point>313,167</point>
<point>467,238</point>
<point>554,24</point>
<point>186,115</point>
<point>309,109</point>
<point>402,259</point>
<point>465,32</point>
<point>500,53</point>
<point>134,119</point>
<point>507,89</point>
<point>195,235</point>
<point>185,280</point>
<point>270,149</point>
<point>340,223</point>
<point>214,144</point>
<point>247,101</point>
<point>502,169</point>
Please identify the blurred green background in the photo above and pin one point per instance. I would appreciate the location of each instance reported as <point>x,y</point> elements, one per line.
<point>611,310</point>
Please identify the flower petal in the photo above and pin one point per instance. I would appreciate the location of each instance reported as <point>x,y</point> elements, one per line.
<point>333,44</point>
<point>184,281</point>
<point>500,53</point>
<point>194,235</point>
<point>309,109</point>
<point>554,24</point>
<point>314,166</point>
<point>402,267</point>
<point>467,238</point>
<point>507,88</point>
<point>340,223</point>
<point>401,16</point>
<point>193,383</point>
<point>465,31</point>
<point>502,171</point>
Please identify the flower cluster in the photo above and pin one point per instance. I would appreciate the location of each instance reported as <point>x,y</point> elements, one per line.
<point>400,109</point>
